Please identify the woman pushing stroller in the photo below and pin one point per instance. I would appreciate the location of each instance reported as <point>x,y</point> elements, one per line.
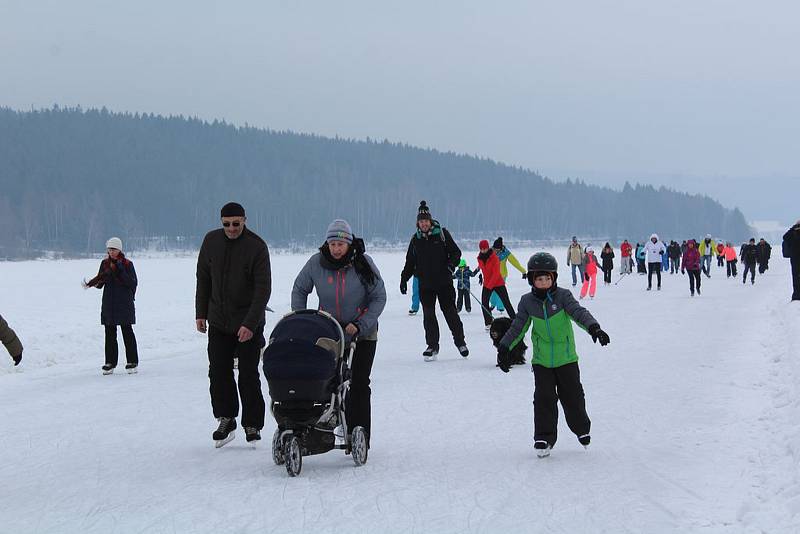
<point>350,288</point>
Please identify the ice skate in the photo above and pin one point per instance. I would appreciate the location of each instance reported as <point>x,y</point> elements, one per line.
<point>225,432</point>
<point>542,449</point>
<point>429,354</point>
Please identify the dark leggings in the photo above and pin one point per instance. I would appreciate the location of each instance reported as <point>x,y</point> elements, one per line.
<point>694,279</point>
<point>502,294</point>
<point>112,350</point>
<point>653,267</point>
<point>357,407</point>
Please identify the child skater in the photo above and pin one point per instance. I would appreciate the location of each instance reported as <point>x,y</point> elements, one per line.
<point>550,310</point>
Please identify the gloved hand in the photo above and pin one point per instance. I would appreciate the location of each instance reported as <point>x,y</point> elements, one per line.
<point>586,277</point>
<point>503,358</point>
<point>403,287</point>
<point>17,359</point>
<point>683,271</point>
<point>524,276</point>
<point>598,335</point>
<point>480,279</point>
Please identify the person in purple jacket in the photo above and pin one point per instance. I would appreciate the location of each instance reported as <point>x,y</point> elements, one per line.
<point>691,263</point>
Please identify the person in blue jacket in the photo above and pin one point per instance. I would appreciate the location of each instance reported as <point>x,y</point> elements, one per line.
<point>462,275</point>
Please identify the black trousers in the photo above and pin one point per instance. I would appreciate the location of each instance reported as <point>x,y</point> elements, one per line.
<point>357,406</point>
<point>653,267</point>
<point>502,294</point>
<point>763,266</point>
<point>607,275</point>
<point>112,349</point>
<point>447,303</point>
<point>694,279</point>
<point>752,268</point>
<point>464,300</point>
<point>222,349</point>
<point>732,268</point>
<point>720,260</point>
<point>551,385</point>
<point>796,278</point>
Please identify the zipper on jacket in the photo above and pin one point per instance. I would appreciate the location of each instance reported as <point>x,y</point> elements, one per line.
<point>547,322</point>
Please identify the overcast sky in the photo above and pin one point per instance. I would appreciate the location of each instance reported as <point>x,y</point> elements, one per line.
<point>701,94</point>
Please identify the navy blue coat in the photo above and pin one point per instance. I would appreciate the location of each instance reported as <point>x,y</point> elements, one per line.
<point>119,292</point>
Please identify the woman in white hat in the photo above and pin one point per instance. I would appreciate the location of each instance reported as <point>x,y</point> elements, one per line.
<point>117,279</point>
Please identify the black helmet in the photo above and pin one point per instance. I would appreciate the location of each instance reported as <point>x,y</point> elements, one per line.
<point>542,261</point>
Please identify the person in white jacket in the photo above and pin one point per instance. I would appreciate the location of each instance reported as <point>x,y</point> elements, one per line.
<point>654,250</point>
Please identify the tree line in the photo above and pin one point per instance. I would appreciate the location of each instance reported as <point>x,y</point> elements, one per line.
<point>70,178</point>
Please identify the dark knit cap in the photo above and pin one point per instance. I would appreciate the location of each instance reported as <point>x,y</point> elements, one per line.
<point>232,209</point>
<point>423,212</point>
<point>498,243</point>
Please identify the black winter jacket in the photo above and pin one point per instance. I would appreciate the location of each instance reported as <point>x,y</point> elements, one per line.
<point>791,242</point>
<point>432,258</point>
<point>234,281</point>
<point>749,254</point>
<point>119,292</point>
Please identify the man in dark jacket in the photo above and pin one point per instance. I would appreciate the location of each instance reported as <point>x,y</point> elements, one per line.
<point>764,252</point>
<point>11,341</point>
<point>233,288</point>
<point>791,250</point>
<point>749,255</point>
<point>433,256</point>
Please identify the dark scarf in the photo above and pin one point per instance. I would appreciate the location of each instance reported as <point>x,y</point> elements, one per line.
<point>354,256</point>
<point>483,256</point>
<point>108,269</point>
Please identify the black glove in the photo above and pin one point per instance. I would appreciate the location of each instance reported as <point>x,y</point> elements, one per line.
<point>503,358</point>
<point>586,277</point>
<point>480,279</point>
<point>17,358</point>
<point>524,276</point>
<point>598,335</point>
<point>683,271</point>
<point>403,287</point>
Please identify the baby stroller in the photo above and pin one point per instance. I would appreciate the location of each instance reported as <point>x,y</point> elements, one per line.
<point>307,367</point>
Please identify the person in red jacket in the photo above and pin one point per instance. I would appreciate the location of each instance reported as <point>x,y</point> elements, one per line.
<point>625,250</point>
<point>720,253</point>
<point>589,273</point>
<point>489,264</point>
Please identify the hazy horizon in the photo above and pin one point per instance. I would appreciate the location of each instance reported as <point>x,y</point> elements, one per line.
<point>698,97</point>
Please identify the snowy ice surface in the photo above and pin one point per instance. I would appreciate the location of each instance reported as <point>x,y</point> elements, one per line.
<point>694,410</point>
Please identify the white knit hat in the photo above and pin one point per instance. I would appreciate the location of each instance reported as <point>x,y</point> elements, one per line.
<point>114,242</point>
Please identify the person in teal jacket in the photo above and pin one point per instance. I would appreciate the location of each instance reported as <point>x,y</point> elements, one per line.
<point>548,311</point>
<point>505,257</point>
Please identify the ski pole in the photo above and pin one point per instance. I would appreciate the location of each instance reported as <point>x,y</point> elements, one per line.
<point>479,301</point>
<point>619,279</point>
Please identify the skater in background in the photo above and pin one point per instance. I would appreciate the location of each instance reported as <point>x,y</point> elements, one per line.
<point>684,246</point>
<point>654,251</point>
<point>691,264</point>
<point>665,257</point>
<point>720,253</point>
<point>641,255</point>
<point>117,278</point>
<point>350,288</point>
<point>764,252</point>
<point>730,259</point>
<point>489,264</point>
<point>625,251</point>
<point>11,342</point>
<point>433,256</point>
<point>549,311</point>
<point>607,262</point>
<point>414,296</point>
<point>575,259</point>
<point>505,256</point>
<point>674,253</point>
<point>234,282</point>
<point>589,269</point>
<point>462,276</point>
<point>791,250</point>
<point>707,249</point>
<point>749,258</point>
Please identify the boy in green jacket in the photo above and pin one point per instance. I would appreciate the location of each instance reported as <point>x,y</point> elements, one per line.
<point>550,310</point>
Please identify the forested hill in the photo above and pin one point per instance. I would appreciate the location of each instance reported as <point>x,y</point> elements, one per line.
<point>70,178</point>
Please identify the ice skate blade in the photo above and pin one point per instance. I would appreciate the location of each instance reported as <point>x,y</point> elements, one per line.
<point>132,371</point>
<point>223,442</point>
<point>542,453</point>
<point>431,358</point>
<point>109,372</point>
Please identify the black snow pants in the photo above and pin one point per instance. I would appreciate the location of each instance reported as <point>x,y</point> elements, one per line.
<point>502,294</point>
<point>796,278</point>
<point>731,268</point>
<point>357,408</point>
<point>763,266</point>
<point>447,303</point>
<point>694,280</point>
<point>752,268</point>
<point>222,349</point>
<point>464,300</point>
<point>112,349</point>
<point>653,267</point>
<point>551,385</point>
<point>607,275</point>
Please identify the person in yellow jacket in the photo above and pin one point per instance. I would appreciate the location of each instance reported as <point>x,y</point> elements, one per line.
<point>11,341</point>
<point>505,257</point>
<point>707,249</point>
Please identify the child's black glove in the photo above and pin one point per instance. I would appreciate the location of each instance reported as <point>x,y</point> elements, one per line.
<point>403,288</point>
<point>586,277</point>
<point>503,358</point>
<point>480,279</point>
<point>598,335</point>
<point>17,358</point>
<point>524,276</point>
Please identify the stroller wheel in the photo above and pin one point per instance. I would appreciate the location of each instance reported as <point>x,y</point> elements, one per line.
<point>358,445</point>
<point>292,455</point>
<point>277,449</point>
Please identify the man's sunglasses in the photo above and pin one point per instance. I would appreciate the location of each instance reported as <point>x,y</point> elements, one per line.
<point>235,224</point>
